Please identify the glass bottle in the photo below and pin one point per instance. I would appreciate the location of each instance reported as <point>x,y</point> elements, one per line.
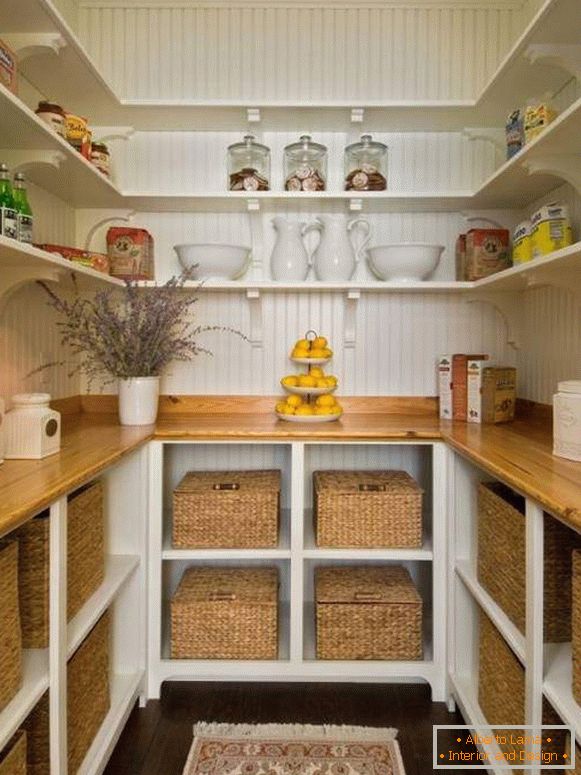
<point>248,166</point>
<point>24,213</point>
<point>8,215</point>
<point>305,165</point>
<point>366,165</point>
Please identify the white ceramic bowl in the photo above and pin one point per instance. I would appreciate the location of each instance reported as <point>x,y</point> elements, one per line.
<point>406,262</point>
<point>214,261</point>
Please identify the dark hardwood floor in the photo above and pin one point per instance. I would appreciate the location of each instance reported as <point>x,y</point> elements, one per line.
<point>157,739</point>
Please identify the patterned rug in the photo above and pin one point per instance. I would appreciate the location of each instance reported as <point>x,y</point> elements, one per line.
<point>292,749</point>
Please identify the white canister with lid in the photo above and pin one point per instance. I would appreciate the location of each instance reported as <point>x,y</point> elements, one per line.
<point>567,420</point>
<point>32,430</point>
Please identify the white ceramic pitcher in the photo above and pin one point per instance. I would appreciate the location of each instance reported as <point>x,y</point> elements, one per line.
<point>337,254</point>
<point>290,259</point>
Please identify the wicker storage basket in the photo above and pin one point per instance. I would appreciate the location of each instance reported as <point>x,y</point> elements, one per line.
<point>11,640</point>
<point>225,613</point>
<point>367,509</point>
<point>88,702</point>
<point>501,560</point>
<point>226,509</point>
<point>85,557</point>
<point>576,625</point>
<point>13,758</point>
<point>367,613</point>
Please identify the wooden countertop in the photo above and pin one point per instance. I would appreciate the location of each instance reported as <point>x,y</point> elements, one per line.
<point>519,453</point>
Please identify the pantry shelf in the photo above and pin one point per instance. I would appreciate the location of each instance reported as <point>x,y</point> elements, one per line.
<point>34,684</point>
<point>315,286</point>
<point>558,682</point>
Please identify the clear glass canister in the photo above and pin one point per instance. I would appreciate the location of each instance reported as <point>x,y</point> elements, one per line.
<point>305,166</point>
<point>366,165</point>
<point>248,166</point>
<point>567,420</point>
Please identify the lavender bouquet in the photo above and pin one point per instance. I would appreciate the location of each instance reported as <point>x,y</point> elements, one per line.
<point>134,332</point>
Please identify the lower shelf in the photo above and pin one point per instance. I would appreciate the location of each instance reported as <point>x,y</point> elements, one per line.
<point>34,685</point>
<point>124,694</point>
<point>557,686</point>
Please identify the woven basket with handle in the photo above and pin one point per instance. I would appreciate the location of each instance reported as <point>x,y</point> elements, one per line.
<point>367,613</point>
<point>225,613</point>
<point>226,509</point>
<point>10,640</point>
<point>13,757</point>
<point>85,562</point>
<point>367,509</point>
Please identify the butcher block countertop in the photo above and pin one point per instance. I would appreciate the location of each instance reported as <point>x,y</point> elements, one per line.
<point>519,453</point>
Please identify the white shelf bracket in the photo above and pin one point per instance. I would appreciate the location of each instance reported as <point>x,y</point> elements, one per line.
<point>357,115</point>
<point>23,160</point>
<point>356,205</point>
<point>126,217</point>
<point>565,166</point>
<point>509,310</point>
<point>13,278</point>
<point>30,44</point>
<point>256,331</point>
<point>104,134</point>
<point>350,323</point>
<point>490,134</point>
<point>565,56</point>
<point>253,115</point>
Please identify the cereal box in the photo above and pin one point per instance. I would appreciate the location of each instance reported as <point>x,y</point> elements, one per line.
<point>498,394</point>
<point>131,253</point>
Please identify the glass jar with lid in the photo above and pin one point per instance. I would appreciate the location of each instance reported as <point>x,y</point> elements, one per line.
<point>305,165</point>
<point>248,166</point>
<point>366,165</point>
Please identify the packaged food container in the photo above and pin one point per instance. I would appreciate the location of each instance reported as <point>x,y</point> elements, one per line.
<point>515,135</point>
<point>551,229</point>
<point>305,166</point>
<point>130,253</point>
<point>487,252</point>
<point>78,134</point>
<point>460,254</point>
<point>522,249</point>
<point>248,166</point>
<point>8,68</point>
<point>53,115</point>
<point>33,429</point>
<point>366,165</point>
<point>567,420</point>
<point>537,118</point>
<point>101,158</point>
<point>498,394</point>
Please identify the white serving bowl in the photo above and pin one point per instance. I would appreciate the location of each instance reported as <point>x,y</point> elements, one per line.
<point>214,261</point>
<point>406,262</point>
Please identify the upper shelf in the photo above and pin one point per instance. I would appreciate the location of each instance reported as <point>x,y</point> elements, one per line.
<point>72,78</point>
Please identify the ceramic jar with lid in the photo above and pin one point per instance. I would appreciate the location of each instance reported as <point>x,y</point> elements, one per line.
<point>53,115</point>
<point>248,166</point>
<point>567,420</point>
<point>305,166</point>
<point>32,430</point>
<point>366,165</point>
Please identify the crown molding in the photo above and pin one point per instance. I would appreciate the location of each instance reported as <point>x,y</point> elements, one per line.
<point>485,5</point>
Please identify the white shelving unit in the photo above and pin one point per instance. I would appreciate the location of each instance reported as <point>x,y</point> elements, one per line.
<point>296,558</point>
<point>122,592</point>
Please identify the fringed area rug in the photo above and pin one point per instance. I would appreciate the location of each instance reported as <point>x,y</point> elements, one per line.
<point>293,749</point>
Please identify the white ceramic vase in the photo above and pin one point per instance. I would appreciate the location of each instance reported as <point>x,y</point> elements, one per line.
<point>138,400</point>
<point>337,254</point>
<point>290,260</point>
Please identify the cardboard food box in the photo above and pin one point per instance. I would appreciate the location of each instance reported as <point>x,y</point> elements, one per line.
<point>8,68</point>
<point>131,253</point>
<point>461,257</point>
<point>460,384</point>
<point>444,367</point>
<point>97,261</point>
<point>474,370</point>
<point>487,252</point>
<point>498,394</point>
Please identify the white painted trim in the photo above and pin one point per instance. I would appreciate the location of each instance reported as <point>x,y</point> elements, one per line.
<point>489,5</point>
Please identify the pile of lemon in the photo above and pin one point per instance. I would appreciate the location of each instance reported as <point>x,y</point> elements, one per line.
<point>316,378</point>
<point>312,348</point>
<point>326,405</point>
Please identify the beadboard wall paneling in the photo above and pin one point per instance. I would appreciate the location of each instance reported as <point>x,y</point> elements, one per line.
<point>298,53</point>
<point>70,10</point>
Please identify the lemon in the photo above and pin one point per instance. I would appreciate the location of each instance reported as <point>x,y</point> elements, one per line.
<point>323,383</point>
<point>281,407</point>
<point>304,409</point>
<point>316,371</point>
<point>298,353</point>
<point>331,380</point>
<point>336,409</point>
<point>306,381</point>
<point>320,341</point>
<point>290,381</point>
<point>294,401</point>
<point>321,410</point>
<point>302,344</point>
<point>326,401</point>
<point>317,352</point>
<point>327,353</point>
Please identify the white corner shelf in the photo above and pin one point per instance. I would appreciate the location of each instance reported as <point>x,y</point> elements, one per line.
<point>124,692</point>
<point>557,686</point>
<point>511,634</point>
<point>35,682</point>
<point>314,286</point>
<point>118,568</point>
<point>312,552</point>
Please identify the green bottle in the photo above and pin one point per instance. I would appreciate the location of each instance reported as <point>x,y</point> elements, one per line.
<point>8,215</point>
<point>24,213</point>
